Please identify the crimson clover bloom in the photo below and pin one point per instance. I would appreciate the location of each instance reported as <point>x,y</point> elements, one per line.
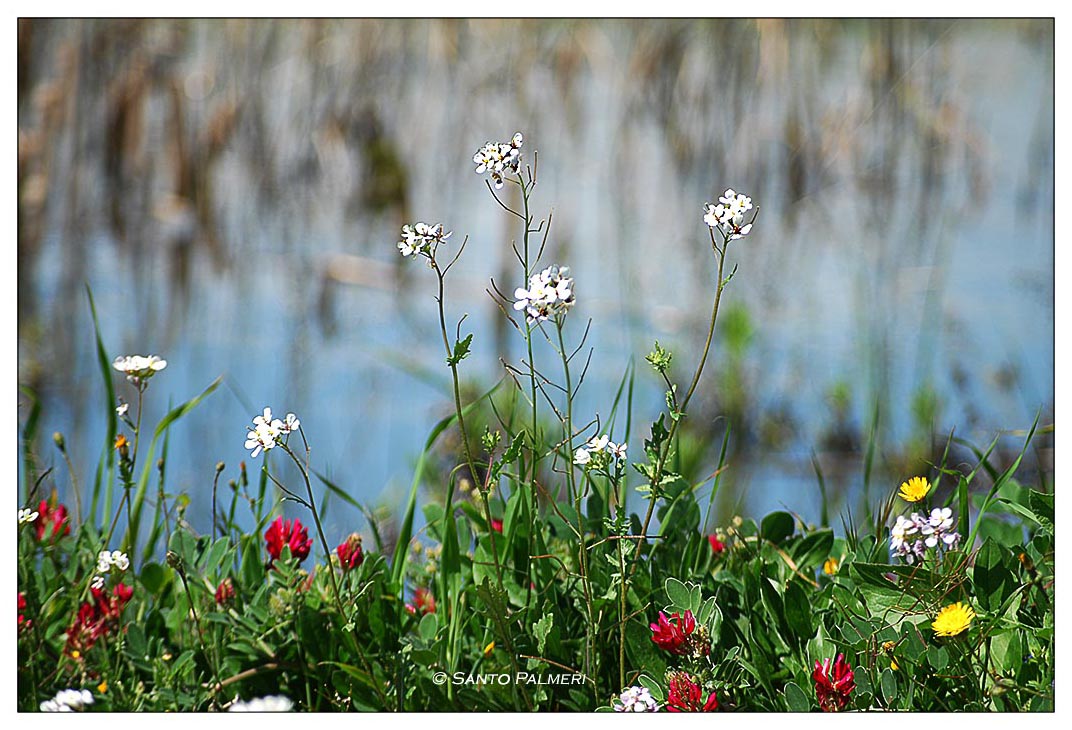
<point>97,618</point>
<point>282,533</point>
<point>717,546</point>
<point>25,622</point>
<point>672,634</point>
<point>225,592</point>
<point>496,525</point>
<point>350,553</point>
<point>52,522</point>
<point>833,683</point>
<point>685,695</point>
<point>423,602</point>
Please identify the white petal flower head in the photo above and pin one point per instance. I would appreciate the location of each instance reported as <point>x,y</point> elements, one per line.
<point>496,158</point>
<point>422,239</point>
<point>27,515</point>
<point>941,518</point>
<point>617,451</point>
<point>264,435</point>
<point>598,443</point>
<point>272,703</point>
<point>120,560</point>
<point>104,562</point>
<point>139,368</point>
<point>582,456</point>
<point>550,294</point>
<point>68,700</point>
<point>728,216</point>
<point>290,423</point>
<point>121,409</point>
<point>97,582</point>
<point>636,699</point>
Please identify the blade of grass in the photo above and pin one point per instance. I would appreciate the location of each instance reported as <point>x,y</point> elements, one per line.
<point>105,365</point>
<point>143,482</point>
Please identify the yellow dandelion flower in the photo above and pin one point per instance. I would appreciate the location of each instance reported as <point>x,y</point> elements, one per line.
<point>103,687</point>
<point>830,566</point>
<point>953,619</point>
<point>915,489</point>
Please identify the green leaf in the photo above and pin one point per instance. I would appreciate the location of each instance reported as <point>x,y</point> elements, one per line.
<point>678,593</point>
<point>427,627</point>
<point>461,350</point>
<point>796,699</point>
<point>992,577</point>
<point>154,577</point>
<point>938,657</point>
<point>776,527</point>
<point>798,611</point>
<point>654,687</point>
<point>252,567</point>
<point>541,629</point>
<point>813,549</point>
<point>888,683</point>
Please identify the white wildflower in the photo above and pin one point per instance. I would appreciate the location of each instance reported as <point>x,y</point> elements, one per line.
<point>121,409</point>
<point>68,700</point>
<point>139,368</point>
<point>582,456</point>
<point>27,515</point>
<point>617,450</point>
<point>421,239</point>
<point>599,443</point>
<point>550,294</point>
<point>728,215</point>
<point>636,699</point>
<point>272,703</point>
<point>97,582</point>
<point>497,158</point>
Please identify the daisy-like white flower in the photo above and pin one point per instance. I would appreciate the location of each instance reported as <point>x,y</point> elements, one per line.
<point>636,699</point>
<point>27,515</point>
<point>290,423</point>
<point>139,368</point>
<point>114,559</point>
<point>497,158</point>
<point>599,443</point>
<point>728,216</point>
<point>266,432</point>
<point>549,295</point>
<point>68,700</point>
<point>272,703</point>
<point>421,239</point>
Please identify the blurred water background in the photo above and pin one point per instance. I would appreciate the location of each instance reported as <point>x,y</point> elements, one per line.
<point>232,192</point>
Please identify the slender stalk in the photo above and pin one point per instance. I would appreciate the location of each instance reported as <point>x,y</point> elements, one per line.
<point>331,570</point>
<point>661,465</point>
<point>531,499</point>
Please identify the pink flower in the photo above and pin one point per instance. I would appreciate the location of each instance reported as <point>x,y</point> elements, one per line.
<point>672,634</point>
<point>350,553</point>
<point>24,622</point>
<point>686,695</point>
<point>717,546</point>
<point>97,619</point>
<point>496,525</point>
<point>282,533</point>
<point>52,522</point>
<point>833,683</point>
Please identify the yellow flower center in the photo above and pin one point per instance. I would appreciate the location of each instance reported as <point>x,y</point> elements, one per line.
<point>953,619</point>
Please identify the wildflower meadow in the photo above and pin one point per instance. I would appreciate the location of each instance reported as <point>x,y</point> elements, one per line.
<point>566,562</point>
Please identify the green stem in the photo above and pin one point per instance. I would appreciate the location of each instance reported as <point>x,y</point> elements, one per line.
<point>653,496</point>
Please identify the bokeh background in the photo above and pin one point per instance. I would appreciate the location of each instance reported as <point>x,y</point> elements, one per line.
<point>232,192</point>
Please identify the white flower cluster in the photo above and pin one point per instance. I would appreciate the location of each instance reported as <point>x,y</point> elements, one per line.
<point>421,239</point>
<point>728,215</point>
<point>599,445</point>
<point>271,703</point>
<point>496,158</point>
<point>267,431</point>
<point>911,536</point>
<point>636,699</point>
<point>27,515</point>
<point>139,368</point>
<point>550,294</point>
<point>114,559</point>
<point>68,700</point>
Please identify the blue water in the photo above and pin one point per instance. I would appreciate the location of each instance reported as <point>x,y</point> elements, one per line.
<point>878,282</point>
